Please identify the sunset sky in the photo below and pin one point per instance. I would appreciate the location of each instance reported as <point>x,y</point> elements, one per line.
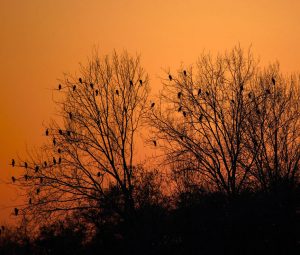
<point>42,39</point>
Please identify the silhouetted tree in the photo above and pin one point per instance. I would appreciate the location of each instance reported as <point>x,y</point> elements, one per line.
<point>202,119</point>
<point>94,141</point>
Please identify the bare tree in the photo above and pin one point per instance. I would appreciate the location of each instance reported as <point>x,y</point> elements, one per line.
<point>92,145</point>
<point>202,118</point>
<point>273,130</point>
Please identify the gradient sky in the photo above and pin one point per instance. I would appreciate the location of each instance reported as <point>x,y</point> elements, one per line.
<point>41,39</point>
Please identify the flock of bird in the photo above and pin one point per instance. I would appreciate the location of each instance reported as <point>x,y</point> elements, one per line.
<point>179,95</point>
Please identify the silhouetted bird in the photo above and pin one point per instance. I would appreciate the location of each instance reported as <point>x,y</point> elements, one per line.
<point>180,108</point>
<point>98,174</point>
<point>26,177</point>
<point>25,165</point>
<point>59,160</point>
<point>60,131</point>
<point>54,161</point>
<point>13,179</point>
<point>154,142</point>
<point>59,87</point>
<point>70,115</point>
<point>74,87</point>
<point>30,201</point>
<point>199,92</point>
<point>36,169</point>
<point>131,83</point>
<point>201,117</point>
<point>179,94</point>
<point>45,163</point>
<point>13,162</point>
<point>38,191</point>
<point>80,80</point>
<point>59,150</point>
<point>152,105</point>
<point>141,82</point>
<point>16,211</point>
<point>170,77</point>
<point>184,73</point>
<point>207,93</point>
<point>117,92</point>
<point>184,114</point>
<point>47,132</point>
<point>92,85</point>
<point>273,80</point>
<point>96,91</point>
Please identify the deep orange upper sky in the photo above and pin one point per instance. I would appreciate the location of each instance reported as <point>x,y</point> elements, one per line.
<point>42,39</point>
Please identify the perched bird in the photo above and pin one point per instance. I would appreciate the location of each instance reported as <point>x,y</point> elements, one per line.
<point>25,165</point>
<point>59,87</point>
<point>80,80</point>
<point>70,115</point>
<point>199,92</point>
<point>59,160</point>
<point>184,72</point>
<point>155,143</point>
<point>117,92</point>
<point>74,87</point>
<point>30,201</point>
<point>170,77</point>
<point>131,83</point>
<point>13,179</point>
<point>16,211</point>
<point>38,191</point>
<point>45,163</point>
<point>184,114</point>
<point>47,132</point>
<point>273,80</point>
<point>152,105</point>
<point>54,161</point>
<point>13,162</point>
<point>180,108</point>
<point>96,91</point>
<point>60,131</point>
<point>179,94</point>
<point>141,82</point>
<point>36,169</point>
<point>92,85</point>
<point>207,93</point>
<point>26,177</point>
<point>59,150</point>
<point>98,174</point>
<point>201,117</point>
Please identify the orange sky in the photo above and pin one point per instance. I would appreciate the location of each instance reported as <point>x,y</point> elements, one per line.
<point>41,39</point>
